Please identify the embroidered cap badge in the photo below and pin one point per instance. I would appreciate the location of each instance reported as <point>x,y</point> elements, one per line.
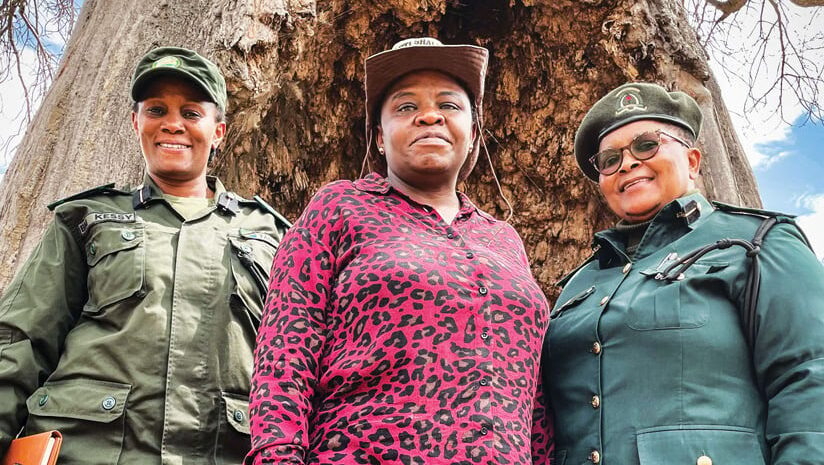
<point>629,100</point>
<point>167,62</point>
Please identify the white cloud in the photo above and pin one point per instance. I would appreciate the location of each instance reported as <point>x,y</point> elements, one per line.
<point>813,222</point>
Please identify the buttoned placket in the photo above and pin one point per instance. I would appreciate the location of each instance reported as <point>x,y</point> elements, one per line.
<point>190,326</point>
<point>596,399</point>
<point>455,238</point>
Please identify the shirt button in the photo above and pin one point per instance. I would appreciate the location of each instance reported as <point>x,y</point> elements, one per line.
<point>483,290</point>
<point>238,416</point>
<point>595,456</point>
<point>127,235</point>
<point>596,347</point>
<point>92,249</point>
<point>43,400</point>
<point>245,248</point>
<point>596,402</point>
<point>450,236</point>
<point>484,430</point>
<point>605,300</point>
<point>703,460</point>
<point>484,335</point>
<point>627,267</point>
<point>482,382</point>
<point>108,403</point>
<point>470,255</point>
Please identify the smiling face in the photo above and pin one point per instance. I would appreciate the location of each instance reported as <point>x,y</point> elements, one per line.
<point>426,130</point>
<point>177,127</point>
<point>640,189</point>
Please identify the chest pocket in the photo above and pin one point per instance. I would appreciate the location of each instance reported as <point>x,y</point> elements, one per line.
<point>675,304</point>
<point>252,254</point>
<point>115,254</point>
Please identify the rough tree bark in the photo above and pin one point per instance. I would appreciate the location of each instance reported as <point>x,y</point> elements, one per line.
<point>295,70</point>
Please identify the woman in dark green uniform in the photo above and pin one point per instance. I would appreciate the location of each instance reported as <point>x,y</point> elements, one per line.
<point>648,359</point>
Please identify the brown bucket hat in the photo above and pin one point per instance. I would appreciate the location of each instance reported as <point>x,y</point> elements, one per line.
<point>466,63</point>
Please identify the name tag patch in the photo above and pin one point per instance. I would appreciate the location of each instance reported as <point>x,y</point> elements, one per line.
<point>104,217</point>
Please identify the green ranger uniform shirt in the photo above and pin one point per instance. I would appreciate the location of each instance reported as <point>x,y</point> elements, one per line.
<point>131,330</point>
<point>644,371</point>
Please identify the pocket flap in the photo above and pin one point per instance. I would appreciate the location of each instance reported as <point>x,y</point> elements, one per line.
<point>575,300</point>
<point>698,268</point>
<point>728,445</point>
<point>260,247</point>
<point>90,400</point>
<point>106,241</point>
<point>237,411</point>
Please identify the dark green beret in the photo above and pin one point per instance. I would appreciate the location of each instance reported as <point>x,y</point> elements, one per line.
<point>625,104</point>
<point>175,61</point>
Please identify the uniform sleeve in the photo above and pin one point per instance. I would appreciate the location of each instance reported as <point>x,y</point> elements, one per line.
<point>291,339</point>
<point>789,351</point>
<point>37,310</point>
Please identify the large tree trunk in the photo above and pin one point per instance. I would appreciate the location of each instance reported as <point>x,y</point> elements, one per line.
<point>295,70</point>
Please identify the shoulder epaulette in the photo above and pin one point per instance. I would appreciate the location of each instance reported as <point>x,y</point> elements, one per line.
<point>748,211</point>
<point>104,189</point>
<point>260,203</point>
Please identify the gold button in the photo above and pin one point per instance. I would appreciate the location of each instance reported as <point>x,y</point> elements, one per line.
<point>703,460</point>
<point>627,267</point>
<point>596,348</point>
<point>595,457</point>
<point>605,300</point>
<point>596,401</point>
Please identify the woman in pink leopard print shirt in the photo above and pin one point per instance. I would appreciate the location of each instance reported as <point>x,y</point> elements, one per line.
<point>403,325</point>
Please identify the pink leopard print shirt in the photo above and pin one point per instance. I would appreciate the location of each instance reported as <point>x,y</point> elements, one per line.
<point>390,337</point>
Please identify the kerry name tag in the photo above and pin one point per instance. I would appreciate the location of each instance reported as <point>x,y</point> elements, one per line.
<point>103,217</point>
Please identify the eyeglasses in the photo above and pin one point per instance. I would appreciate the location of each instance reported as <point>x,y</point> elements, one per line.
<point>643,147</point>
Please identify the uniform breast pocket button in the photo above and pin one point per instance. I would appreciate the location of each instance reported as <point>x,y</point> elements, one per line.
<point>109,403</point>
<point>127,235</point>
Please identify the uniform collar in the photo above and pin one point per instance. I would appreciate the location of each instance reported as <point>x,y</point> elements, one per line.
<point>226,202</point>
<point>677,218</point>
<point>377,184</point>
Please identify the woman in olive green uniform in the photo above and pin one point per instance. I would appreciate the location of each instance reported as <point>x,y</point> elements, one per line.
<point>648,360</point>
<point>130,329</point>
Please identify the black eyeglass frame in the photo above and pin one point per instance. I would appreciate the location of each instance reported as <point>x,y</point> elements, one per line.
<point>658,132</point>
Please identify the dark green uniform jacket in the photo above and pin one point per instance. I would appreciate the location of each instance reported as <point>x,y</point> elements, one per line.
<point>131,330</point>
<point>644,371</point>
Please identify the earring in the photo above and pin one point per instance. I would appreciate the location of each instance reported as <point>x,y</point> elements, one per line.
<point>380,150</point>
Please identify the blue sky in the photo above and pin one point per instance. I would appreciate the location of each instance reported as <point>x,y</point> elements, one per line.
<point>795,171</point>
<point>791,179</point>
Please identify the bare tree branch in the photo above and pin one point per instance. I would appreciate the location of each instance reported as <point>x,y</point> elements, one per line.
<point>727,7</point>
<point>808,3</point>
<point>782,52</point>
<point>32,37</point>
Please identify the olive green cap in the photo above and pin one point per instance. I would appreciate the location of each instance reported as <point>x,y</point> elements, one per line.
<point>633,101</point>
<point>176,61</point>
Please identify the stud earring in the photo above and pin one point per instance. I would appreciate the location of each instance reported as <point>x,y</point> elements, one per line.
<point>380,150</point>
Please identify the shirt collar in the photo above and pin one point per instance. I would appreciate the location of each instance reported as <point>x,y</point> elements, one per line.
<point>149,191</point>
<point>677,218</point>
<point>377,184</point>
